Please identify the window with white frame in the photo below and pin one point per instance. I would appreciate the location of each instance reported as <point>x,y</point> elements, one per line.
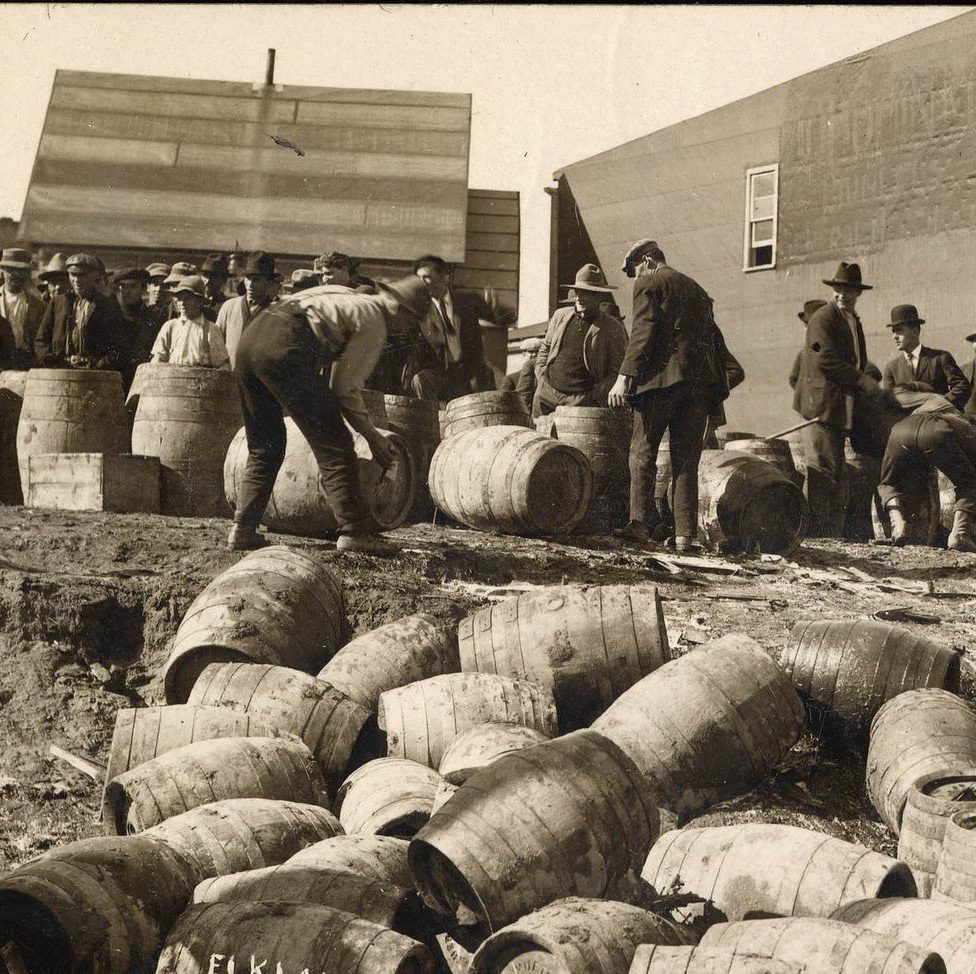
<point>762,186</point>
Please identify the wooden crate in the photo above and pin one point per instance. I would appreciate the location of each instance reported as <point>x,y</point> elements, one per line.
<point>94,482</point>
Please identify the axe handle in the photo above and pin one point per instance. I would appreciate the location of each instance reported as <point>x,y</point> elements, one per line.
<point>792,429</point>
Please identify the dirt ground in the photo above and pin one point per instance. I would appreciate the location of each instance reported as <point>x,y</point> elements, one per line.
<point>88,603</point>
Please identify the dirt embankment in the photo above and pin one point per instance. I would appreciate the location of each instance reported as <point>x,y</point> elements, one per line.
<point>88,603</point>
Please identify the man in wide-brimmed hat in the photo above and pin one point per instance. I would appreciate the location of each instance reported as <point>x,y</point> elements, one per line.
<point>831,380</point>
<point>23,309</point>
<point>582,349</point>
<point>310,354</point>
<point>191,339</point>
<point>920,369</point>
<point>82,329</point>
<point>214,270</point>
<point>673,375</point>
<point>55,276</point>
<point>235,314</point>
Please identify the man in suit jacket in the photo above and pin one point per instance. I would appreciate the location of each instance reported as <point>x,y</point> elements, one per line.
<point>831,378</point>
<point>450,361</point>
<point>235,314</point>
<point>82,329</point>
<point>673,375</point>
<point>921,369</point>
<point>23,309</point>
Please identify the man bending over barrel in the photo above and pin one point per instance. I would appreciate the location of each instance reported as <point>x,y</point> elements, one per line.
<point>284,360</point>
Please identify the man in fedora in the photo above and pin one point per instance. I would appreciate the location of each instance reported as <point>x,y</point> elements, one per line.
<point>82,329</point>
<point>673,375</point>
<point>920,369</point>
<point>191,339</point>
<point>215,272</point>
<point>582,350</point>
<point>831,379</point>
<point>23,309</point>
<point>969,371</point>
<point>235,314</point>
<point>310,354</point>
<point>138,320</point>
<point>55,276</point>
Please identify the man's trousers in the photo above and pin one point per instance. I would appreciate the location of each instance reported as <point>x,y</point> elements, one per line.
<point>826,482</point>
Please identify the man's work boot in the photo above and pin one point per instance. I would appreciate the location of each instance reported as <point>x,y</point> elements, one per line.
<point>687,546</point>
<point>364,544</point>
<point>962,537</point>
<point>244,537</point>
<point>899,527</point>
<point>632,531</point>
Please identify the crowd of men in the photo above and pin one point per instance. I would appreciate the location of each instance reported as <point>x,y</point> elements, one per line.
<point>310,346</point>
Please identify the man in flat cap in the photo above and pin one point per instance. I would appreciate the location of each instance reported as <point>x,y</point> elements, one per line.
<point>310,354</point>
<point>139,321</point>
<point>23,309</point>
<point>190,338</point>
<point>969,371</point>
<point>583,348</point>
<point>157,294</point>
<point>831,387</point>
<point>918,368</point>
<point>673,375</point>
<point>215,272</point>
<point>55,276</point>
<point>236,313</point>
<point>82,329</point>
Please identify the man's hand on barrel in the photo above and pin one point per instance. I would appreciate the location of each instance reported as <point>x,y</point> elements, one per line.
<point>382,452</point>
<point>619,391</point>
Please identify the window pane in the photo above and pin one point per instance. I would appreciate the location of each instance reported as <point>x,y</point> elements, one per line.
<point>764,184</point>
<point>761,257</point>
<point>762,232</point>
<point>764,208</point>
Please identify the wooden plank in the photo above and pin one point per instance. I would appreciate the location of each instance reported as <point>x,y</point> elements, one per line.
<point>384,116</point>
<point>495,194</point>
<point>493,207</point>
<point>68,231</point>
<point>464,277</point>
<point>490,260</point>
<point>169,128</point>
<point>83,149</point>
<point>500,242</point>
<point>480,223</point>
<point>395,216</point>
<point>183,181</point>
<point>381,96</point>
<point>320,163</point>
<point>94,482</point>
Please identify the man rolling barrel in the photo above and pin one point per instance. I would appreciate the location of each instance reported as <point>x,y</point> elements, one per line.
<point>284,360</point>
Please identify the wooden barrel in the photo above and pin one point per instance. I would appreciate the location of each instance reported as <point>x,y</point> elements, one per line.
<point>491,854</point>
<point>298,503</point>
<point>100,904</point>
<point>12,386</point>
<point>652,959</point>
<point>333,727</point>
<point>846,669</point>
<point>413,648</point>
<point>863,475</point>
<point>574,936</point>
<point>417,422</point>
<point>422,718</point>
<point>746,504</point>
<point>481,409</point>
<point>917,733</point>
<point>586,645</point>
<point>483,744</point>
<point>823,946</point>
<point>946,929</point>
<point>382,857</point>
<point>375,402</point>
<point>603,436</point>
<point>794,441</point>
<point>777,452</point>
<point>390,906</point>
<point>71,411</point>
<point>755,870</point>
<point>276,605</point>
<point>511,479</point>
<point>708,726</point>
<point>197,774</point>
<point>931,801</point>
<point>543,424</point>
<point>445,792</point>
<point>955,874</point>
<point>289,937</point>
<point>389,796</point>
<point>186,416</point>
<point>144,733</point>
<point>245,833</point>
<point>921,512</point>
<point>727,436</point>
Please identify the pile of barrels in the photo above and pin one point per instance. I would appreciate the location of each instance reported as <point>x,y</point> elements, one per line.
<point>510,795</point>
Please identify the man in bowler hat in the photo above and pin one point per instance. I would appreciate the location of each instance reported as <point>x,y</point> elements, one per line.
<point>310,354</point>
<point>235,314</point>
<point>673,374</point>
<point>831,379</point>
<point>918,368</point>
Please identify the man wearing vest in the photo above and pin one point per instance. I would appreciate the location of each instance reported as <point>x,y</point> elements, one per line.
<point>831,380</point>
<point>920,369</point>
<point>583,348</point>
<point>236,314</point>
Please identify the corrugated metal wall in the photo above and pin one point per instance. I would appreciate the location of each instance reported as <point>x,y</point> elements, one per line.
<point>876,158</point>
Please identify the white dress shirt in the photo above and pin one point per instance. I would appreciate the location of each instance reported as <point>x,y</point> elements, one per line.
<point>913,356</point>
<point>191,341</point>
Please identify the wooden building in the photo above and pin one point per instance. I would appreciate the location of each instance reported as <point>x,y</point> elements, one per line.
<point>871,159</point>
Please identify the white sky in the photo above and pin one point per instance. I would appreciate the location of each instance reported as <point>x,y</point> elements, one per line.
<point>550,84</point>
